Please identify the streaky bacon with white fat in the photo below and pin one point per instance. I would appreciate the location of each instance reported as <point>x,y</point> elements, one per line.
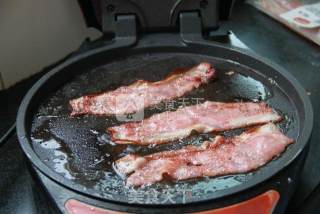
<point>240,154</point>
<point>142,94</point>
<point>203,118</point>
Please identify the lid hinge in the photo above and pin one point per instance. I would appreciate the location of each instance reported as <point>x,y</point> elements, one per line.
<point>190,26</point>
<point>158,16</point>
<point>191,30</point>
<point>124,29</point>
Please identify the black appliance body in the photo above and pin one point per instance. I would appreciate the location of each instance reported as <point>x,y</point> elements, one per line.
<point>268,188</point>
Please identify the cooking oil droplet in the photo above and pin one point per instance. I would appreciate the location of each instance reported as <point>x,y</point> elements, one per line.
<point>94,131</point>
<point>50,144</point>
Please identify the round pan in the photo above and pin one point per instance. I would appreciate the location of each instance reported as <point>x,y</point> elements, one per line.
<point>84,145</point>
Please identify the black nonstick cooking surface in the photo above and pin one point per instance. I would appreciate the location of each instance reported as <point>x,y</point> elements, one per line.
<point>79,149</point>
<point>77,152</point>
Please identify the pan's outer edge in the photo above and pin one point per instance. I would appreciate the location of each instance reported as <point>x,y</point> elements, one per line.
<point>25,107</point>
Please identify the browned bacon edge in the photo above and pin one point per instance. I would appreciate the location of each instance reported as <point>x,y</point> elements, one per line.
<point>240,154</point>
<point>203,118</point>
<point>105,103</point>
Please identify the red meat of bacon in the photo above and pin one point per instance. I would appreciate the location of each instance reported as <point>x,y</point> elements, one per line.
<point>142,94</point>
<point>203,118</point>
<point>240,154</point>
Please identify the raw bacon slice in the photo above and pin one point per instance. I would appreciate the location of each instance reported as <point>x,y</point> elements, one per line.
<point>142,94</point>
<point>203,118</point>
<point>240,154</point>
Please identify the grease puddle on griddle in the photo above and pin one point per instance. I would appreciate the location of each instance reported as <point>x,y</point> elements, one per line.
<point>86,150</point>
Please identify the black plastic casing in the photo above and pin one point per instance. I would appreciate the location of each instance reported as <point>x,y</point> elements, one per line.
<point>154,16</point>
<point>189,40</point>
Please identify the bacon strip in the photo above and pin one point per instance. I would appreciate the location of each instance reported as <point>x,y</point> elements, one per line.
<point>142,94</point>
<point>203,118</point>
<point>240,154</point>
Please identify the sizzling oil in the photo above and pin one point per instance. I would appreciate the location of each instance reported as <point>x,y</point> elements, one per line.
<point>80,149</point>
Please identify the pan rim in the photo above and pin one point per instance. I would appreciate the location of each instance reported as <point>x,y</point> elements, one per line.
<point>26,146</point>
